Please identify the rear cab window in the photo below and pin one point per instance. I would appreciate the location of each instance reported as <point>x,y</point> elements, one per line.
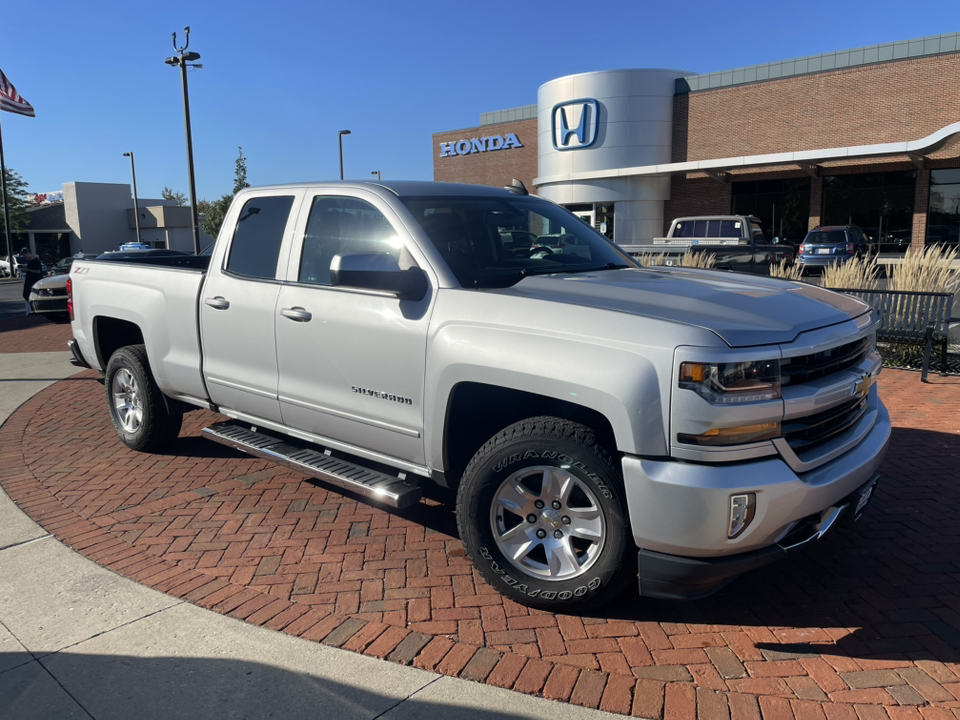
<point>258,237</point>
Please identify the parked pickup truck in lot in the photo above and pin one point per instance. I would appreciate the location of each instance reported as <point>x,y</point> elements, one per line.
<point>736,241</point>
<point>598,422</point>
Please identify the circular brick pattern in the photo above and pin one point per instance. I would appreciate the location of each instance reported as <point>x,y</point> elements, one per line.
<point>867,623</point>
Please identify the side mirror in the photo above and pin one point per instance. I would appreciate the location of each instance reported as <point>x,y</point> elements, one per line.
<point>378,271</point>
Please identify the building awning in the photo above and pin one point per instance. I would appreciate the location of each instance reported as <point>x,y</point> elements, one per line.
<point>806,160</point>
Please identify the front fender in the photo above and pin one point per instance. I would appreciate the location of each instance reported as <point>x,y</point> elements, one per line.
<point>621,385</point>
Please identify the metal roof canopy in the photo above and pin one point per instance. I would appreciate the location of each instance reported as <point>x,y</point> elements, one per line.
<point>806,160</point>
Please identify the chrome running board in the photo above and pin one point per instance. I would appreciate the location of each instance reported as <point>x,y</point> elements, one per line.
<point>388,489</point>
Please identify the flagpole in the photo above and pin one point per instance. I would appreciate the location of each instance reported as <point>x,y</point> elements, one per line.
<point>6,208</point>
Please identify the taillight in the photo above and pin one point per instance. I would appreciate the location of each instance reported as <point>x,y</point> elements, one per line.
<point>849,248</point>
<point>70,298</point>
<point>803,248</point>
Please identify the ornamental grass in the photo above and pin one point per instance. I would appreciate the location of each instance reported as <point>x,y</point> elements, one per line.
<point>858,273</point>
<point>929,270</point>
<point>786,272</point>
<point>688,259</point>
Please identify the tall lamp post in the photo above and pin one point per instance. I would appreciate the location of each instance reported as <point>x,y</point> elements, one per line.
<point>375,172</point>
<point>182,61</point>
<point>136,203</point>
<point>340,140</point>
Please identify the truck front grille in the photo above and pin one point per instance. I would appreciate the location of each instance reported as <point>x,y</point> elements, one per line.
<point>806,433</point>
<point>797,370</point>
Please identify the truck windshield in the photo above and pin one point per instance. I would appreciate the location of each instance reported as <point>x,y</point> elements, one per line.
<point>496,242</point>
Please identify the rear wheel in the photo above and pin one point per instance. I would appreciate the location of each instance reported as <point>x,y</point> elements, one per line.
<point>136,404</point>
<point>541,512</point>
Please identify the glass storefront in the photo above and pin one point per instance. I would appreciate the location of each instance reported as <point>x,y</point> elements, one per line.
<point>783,206</point>
<point>599,216</point>
<point>881,204</point>
<point>943,214</point>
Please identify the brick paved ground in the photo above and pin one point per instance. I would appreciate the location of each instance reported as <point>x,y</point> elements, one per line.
<point>864,627</point>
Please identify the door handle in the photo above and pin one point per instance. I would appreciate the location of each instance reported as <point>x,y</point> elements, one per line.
<point>218,303</point>
<point>296,313</point>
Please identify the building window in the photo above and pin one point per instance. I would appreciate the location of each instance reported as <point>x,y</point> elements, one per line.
<point>783,206</point>
<point>881,204</point>
<point>943,215</point>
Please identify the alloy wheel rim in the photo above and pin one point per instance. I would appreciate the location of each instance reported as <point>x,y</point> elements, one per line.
<point>548,523</point>
<point>127,401</point>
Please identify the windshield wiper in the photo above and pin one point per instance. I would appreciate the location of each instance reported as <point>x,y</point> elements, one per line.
<point>608,266</point>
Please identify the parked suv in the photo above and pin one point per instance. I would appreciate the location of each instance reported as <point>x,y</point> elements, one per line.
<point>833,244</point>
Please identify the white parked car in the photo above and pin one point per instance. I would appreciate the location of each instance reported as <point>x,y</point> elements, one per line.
<point>49,297</point>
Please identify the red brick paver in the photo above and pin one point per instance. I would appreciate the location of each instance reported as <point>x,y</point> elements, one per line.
<point>866,625</point>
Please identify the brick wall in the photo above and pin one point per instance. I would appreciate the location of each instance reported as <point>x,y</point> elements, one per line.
<point>885,102</point>
<point>497,168</point>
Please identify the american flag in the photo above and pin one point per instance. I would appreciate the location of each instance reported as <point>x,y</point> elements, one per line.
<point>10,99</point>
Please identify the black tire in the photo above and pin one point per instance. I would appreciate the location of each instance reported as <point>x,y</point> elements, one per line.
<point>135,403</point>
<point>532,462</point>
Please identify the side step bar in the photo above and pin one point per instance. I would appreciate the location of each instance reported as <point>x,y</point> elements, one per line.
<point>388,489</point>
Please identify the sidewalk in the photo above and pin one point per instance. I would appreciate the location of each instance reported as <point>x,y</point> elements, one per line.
<point>866,625</point>
<point>79,641</point>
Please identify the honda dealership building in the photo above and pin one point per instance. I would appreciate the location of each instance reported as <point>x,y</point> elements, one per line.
<point>869,136</point>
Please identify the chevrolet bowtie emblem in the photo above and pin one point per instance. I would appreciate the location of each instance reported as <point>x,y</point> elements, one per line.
<point>861,385</point>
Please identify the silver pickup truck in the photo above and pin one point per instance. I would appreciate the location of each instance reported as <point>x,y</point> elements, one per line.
<point>599,423</point>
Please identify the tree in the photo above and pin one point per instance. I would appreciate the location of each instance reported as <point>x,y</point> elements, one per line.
<point>17,201</point>
<point>240,174</point>
<point>214,212</point>
<point>178,197</point>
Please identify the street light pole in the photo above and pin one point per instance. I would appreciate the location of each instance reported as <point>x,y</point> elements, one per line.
<point>375,172</point>
<point>136,203</point>
<point>340,140</point>
<point>183,60</point>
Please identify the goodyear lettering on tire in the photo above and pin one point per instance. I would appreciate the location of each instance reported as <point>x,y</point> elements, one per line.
<point>519,586</point>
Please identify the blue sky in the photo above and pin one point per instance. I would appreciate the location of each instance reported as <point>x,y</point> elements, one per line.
<point>281,78</point>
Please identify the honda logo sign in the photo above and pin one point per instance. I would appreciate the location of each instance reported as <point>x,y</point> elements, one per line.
<point>576,124</point>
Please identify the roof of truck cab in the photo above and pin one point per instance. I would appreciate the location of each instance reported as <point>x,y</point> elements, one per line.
<point>405,188</point>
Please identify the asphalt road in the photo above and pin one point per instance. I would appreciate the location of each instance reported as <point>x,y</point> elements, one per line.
<point>11,299</point>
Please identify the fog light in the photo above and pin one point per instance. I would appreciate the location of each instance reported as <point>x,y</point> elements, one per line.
<point>742,509</point>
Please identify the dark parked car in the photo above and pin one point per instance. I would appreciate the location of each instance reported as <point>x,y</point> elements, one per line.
<point>833,244</point>
<point>62,267</point>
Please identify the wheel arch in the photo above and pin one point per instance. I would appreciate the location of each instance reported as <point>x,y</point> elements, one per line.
<point>477,411</point>
<point>110,334</point>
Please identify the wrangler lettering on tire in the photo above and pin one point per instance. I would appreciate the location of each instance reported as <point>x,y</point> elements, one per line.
<point>541,513</point>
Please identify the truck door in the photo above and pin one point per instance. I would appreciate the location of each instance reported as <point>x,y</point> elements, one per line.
<point>238,306</point>
<point>351,361</point>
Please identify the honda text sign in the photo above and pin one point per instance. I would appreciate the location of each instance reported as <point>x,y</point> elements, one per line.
<point>575,124</point>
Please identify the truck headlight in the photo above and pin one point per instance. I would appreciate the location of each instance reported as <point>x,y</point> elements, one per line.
<point>739,435</point>
<point>732,383</point>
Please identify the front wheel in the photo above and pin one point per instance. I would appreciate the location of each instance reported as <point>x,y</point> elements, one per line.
<point>135,403</point>
<point>541,512</point>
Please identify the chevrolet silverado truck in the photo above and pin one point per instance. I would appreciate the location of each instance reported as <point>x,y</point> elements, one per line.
<point>597,423</point>
<point>737,243</point>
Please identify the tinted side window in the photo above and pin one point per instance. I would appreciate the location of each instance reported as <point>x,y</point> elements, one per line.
<point>259,234</point>
<point>730,229</point>
<point>342,225</point>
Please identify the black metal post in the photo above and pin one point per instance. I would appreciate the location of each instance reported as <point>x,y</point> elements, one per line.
<point>183,60</point>
<point>136,202</point>
<point>193,183</point>
<point>340,139</point>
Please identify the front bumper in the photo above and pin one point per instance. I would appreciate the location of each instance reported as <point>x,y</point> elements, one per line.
<point>820,261</point>
<point>687,578</point>
<point>680,511</point>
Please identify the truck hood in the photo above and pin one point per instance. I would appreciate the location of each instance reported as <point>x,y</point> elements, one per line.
<point>742,310</point>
